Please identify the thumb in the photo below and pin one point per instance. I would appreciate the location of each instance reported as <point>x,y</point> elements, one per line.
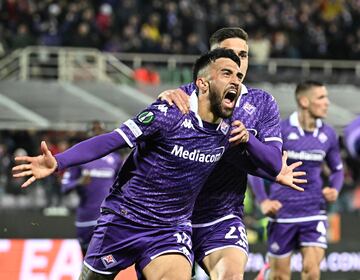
<point>45,150</point>
<point>284,157</point>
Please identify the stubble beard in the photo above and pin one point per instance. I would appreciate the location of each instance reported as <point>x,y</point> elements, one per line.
<point>216,106</point>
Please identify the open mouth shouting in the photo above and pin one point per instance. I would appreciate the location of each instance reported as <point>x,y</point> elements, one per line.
<point>230,98</point>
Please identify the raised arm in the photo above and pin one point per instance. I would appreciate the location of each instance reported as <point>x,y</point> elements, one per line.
<point>43,165</point>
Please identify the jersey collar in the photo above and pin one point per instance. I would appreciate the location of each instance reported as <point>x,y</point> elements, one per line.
<point>294,121</point>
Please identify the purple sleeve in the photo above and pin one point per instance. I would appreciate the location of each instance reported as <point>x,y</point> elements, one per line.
<point>258,187</point>
<point>90,149</point>
<point>267,157</point>
<point>352,138</point>
<point>243,161</point>
<point>333,159</point>
<point>188,88</point>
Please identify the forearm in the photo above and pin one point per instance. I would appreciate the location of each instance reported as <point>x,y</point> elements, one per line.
<point>337,180</point>
<point>90,149</point>
<point>266,157</point>
<point>258,187</point>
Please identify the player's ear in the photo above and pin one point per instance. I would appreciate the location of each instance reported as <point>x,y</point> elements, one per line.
<point>202,84</point>
<point>303,101</point>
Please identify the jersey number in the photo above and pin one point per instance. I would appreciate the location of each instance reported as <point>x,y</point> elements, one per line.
<point>238,233</point>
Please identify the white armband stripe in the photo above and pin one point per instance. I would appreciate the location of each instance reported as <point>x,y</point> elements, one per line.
<point>123,135</point>
<point>268,139</point>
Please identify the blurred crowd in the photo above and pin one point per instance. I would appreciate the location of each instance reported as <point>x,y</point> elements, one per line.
<point>277,28</point>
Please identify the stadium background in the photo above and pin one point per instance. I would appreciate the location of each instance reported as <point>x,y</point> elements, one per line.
<point>65,63</point>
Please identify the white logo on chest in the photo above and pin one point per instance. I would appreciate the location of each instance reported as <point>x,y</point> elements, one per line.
<point>322,137</point>
<point>187,124</point>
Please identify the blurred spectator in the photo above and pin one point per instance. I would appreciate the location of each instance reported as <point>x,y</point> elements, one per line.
<point>23,38</point>
<point>259,47</point>
<point>194,44</point>
<point>330,28</point>
<point>84,38</point>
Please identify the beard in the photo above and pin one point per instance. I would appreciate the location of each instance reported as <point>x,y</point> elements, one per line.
<point>216,105</point>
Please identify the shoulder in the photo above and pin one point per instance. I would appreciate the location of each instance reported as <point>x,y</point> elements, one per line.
<point>329,130</point>
<point>260,93</point>
<point>264,101</point>
<point>162,112</point>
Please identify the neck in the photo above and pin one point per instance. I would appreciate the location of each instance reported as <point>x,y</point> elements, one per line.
<point>204,110</point>
<point>307,122</point>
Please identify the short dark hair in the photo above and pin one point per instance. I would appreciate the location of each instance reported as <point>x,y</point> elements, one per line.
<point>306,85</point>
<point>210,57</point>
<point>227,33</point>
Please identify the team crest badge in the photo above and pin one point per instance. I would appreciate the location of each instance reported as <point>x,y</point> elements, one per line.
<point>249,108</point>
<point>108,260</point>
<point>322,137</point>
<point>146,117</point>
<point>224,127</point>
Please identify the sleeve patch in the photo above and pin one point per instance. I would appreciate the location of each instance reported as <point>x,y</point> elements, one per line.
<point>146,117</point>
<point>133,128</point>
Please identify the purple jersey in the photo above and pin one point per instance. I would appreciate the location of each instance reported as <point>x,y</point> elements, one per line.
<point>223,192</point>
<point>174,154</point>
<point>352,137</point>
<point>102,174</point>
<point>312,148</point>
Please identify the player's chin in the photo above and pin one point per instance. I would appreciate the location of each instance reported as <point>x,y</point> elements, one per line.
<point>227,112</point>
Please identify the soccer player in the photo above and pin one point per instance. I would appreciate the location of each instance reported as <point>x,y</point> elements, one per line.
<point>352,138</point>
<point>301,221</point>
<point>219,235</point>
<point>92,182</point>
<point>146,217</point>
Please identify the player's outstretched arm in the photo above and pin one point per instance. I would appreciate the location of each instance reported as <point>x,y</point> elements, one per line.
<point>36,167</point>
<point>289,177</point>
<point>177,97</point>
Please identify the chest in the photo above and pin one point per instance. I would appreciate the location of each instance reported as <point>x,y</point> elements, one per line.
<point>307,147</point>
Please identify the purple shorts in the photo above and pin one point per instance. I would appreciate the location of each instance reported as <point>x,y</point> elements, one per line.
<point>283,238</point>
<point>211,237</point>
<point>118,243</point>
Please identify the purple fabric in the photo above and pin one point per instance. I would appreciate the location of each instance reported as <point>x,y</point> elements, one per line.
<point>117,243</point>
<point>265,156</point>
<point>283,238</point>
<point>224,190</point>
<point>352,137</point>
<point>313,149</point>
<point>188,88</point>
<point>174,155</point>
<point>90,149</point>
<point>258,187</point>
<point>102,173</point>
<point>230,232</point>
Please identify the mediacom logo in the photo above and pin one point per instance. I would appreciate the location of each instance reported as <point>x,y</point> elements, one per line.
<point>198,155</point>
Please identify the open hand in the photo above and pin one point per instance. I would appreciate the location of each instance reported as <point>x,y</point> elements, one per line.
<point>288,176</point>
<point>36,167</point>
<point>177,96</point>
